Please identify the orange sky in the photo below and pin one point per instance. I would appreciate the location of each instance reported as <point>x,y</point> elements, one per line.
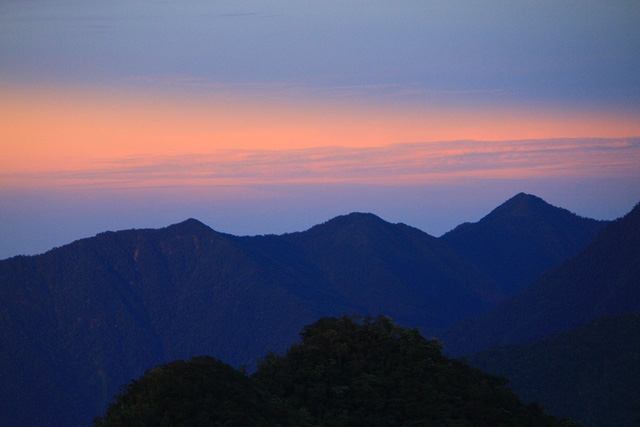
<point>269,117</point>
<point>44,130</point>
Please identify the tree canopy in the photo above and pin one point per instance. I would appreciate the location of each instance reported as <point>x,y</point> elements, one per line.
<point>345,371</point>
<point>202,391</point>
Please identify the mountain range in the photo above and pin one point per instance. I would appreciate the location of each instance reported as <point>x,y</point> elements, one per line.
<point>602,279</point>
<point>570,339</point>
<point>79,321</point>
<point>520,239</point>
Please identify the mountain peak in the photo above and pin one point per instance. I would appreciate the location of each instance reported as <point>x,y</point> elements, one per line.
<point>353,219</point>
<point>528,234</point>
<point>358,217</point>
<point>525,198</point>
<point>601,279</point>
<point>522,204</point>
<point>190,225</point>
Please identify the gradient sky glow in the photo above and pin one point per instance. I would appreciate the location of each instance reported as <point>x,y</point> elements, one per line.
<point>271,116</point>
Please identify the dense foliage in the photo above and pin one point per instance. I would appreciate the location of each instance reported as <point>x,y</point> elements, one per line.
<point>201,392</point>
<point>345,372</point>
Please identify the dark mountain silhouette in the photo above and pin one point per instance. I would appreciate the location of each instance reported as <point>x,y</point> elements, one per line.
<point>590,374</point>
<point>522,238</point>
<point>398,270</point>
<point>89,316</point>
<point>602,279</point>
<point>85,318</point>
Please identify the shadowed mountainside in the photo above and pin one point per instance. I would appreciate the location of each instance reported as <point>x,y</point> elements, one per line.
<point>82,319</point>
<point>590,373</point>
<point>89,316</point>
<point>522,238</point>
<point>603,279</point>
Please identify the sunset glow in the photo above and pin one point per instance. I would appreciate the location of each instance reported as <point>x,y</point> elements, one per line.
<point>262,117</point>
<point>55,137</point>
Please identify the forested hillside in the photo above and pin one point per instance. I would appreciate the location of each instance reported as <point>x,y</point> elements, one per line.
<point>522,238</point>
<point>91,315</point>
<point>603,279</point>
<point>345,372</point>
<point>85,318</point>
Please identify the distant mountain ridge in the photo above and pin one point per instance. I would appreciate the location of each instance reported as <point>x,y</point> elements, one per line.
<point>603,279</point>
<point>82,319</point>
<point>521,238</point>
<point>398,268</point>
<point>570,338</point>
<point>99,311</point>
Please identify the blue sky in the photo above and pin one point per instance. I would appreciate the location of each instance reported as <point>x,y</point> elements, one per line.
<point>572,51</point>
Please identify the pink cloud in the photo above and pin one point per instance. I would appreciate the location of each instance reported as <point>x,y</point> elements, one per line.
<point>407,164</point>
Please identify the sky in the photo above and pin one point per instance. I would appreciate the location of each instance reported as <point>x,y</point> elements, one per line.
<point>261,117</point>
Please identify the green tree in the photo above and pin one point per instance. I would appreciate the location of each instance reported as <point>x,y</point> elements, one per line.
<point>200,392</point>
<point>347,371</point>
<point>368,371</point>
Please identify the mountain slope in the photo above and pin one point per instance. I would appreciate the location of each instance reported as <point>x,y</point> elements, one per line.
<point>102,310</point>
<point>83,319</point>
<point>394,269</point>
<point>521,239</point>
<point>602,279</point>
<point>590,373</point>
<point>93,314</point>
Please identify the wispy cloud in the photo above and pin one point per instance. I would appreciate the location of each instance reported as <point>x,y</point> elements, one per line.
<point>406,164</point>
